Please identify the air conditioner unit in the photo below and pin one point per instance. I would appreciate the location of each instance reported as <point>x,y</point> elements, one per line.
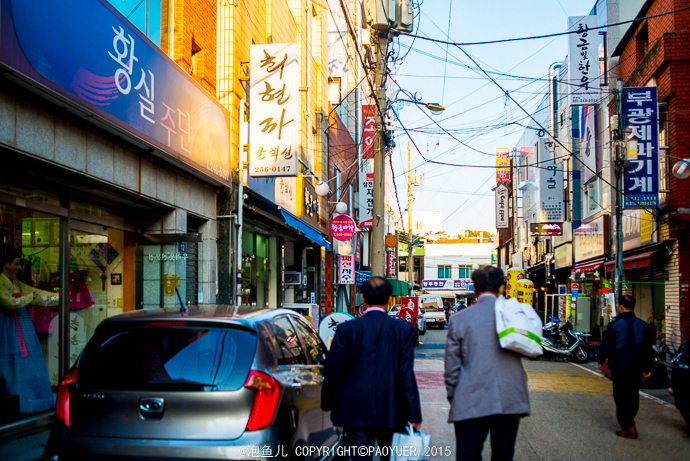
<point>293,278</point>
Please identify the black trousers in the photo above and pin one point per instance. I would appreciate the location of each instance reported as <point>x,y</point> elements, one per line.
<point>471,434</point>
<point>626,394</point>
<point>360,442</point>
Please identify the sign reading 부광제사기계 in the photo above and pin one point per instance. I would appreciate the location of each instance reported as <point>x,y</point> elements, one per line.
<point>343,227</point>
<point>641,175</point>
<point>91,56</point>
<point>274,124</point>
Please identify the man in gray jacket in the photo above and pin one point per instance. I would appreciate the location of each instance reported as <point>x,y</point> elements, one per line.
<point>486,385</point>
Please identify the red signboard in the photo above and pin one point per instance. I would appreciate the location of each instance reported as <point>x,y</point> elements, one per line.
<point>343,227</point>
<point>368,130</point>
<point>574,286</point>
<point>410,302</point>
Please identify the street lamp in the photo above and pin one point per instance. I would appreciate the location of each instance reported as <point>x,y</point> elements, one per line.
<point>681,169</point>
<point>416,98</point>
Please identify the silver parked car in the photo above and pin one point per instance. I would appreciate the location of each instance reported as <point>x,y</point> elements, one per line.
<point>161,385</point>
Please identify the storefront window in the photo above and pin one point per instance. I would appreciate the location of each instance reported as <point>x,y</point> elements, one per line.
<point>166,273</point>
<point>30,259</point>
<point>254,291</point>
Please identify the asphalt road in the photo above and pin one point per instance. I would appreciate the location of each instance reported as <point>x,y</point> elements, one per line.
<point>573,414</point>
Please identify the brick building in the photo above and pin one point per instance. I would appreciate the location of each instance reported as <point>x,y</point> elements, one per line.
<point>656,52</point>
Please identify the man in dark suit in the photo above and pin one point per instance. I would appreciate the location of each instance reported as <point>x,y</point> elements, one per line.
<point>369,384</point>
<point>627,343</point>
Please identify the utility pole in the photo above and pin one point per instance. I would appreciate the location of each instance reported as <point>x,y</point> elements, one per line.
<point>378,252</point>
<point>619,185</point>
<point>410,239</point>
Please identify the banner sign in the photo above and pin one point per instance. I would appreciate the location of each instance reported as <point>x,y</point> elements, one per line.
<point>588,154</point>
<point>591,239</point>
<point>346,269</point>
<point>641,176</point>
<point>545,229</point>
<point>368,130</point>
<point>583,61</point>
<point>343,227</point>
<point>98,60</point>
<point>287,193</point>
<point>502,164</point>
<point>550,184</point>
<point>639,229</point>
<point>392,263</point>
<point>502,207</point>
<point>366,193</point>
<point>273,123</point>
<point>463,284</point>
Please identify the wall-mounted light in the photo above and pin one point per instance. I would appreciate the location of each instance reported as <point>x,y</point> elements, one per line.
<point>681,169</point>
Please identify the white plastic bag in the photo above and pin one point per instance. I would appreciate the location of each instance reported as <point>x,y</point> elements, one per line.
<point>413,446</point>
<point>519,327</point>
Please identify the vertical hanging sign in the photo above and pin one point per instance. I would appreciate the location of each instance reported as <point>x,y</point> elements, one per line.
<point>641,176</point>
<point>368,130</point>
<point>583,61</point>
<point>550,184</point>
<point>273,125</point>
<point>588,152</point>
<point>502,207</point>
<point>366,193</point>
<point>502,164</point>
<point>346,269</point>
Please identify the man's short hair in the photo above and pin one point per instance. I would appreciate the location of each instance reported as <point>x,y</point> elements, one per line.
<point>627,301</point>
<point>377,291</point>
<point>488,279</point>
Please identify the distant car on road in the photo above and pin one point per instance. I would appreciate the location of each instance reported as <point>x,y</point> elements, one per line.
<point>161,385</point>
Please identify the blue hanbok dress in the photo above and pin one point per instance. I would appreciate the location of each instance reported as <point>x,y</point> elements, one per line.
<point>21,358</point>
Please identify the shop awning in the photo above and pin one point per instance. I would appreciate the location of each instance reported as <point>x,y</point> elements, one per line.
<point>400,288</point>
<point>311,233</point>
<point>588,266</point>
<point>633,262</point>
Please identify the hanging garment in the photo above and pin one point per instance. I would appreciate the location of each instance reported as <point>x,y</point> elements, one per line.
<point>21,358</point>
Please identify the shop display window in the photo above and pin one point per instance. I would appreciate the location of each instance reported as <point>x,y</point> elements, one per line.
<point>29,298</point>
<point>254,291</point>
<point>167,274</point>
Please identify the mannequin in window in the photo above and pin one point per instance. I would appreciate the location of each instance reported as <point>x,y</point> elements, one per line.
<point>21,358</point>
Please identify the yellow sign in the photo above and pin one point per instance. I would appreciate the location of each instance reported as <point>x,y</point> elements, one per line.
<point>170,283</point>
<point>515,274</point>
<point>525,291</point>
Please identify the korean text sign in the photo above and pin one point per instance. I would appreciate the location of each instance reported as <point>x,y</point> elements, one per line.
<point>502,164</point>
<point>583,60</point>
<point>274,122</point>
<point>368,130</point>
<point>343,227</point>
<point>550,183</point>
<point>346,269</point>
<point>102,63</point>
<point>366,193</point>
<point>641,176</point>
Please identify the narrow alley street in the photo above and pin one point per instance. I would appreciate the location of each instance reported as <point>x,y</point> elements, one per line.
<point>573,413</point>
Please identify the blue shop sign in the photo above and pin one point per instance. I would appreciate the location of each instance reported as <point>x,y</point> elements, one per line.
<point>641,176</point>
<point>361,277</point>
<point>90,54</point>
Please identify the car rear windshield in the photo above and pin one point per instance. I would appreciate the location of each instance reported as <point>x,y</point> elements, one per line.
<point>165,358</point>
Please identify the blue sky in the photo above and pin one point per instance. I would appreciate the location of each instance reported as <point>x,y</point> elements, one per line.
<point>477,112</point>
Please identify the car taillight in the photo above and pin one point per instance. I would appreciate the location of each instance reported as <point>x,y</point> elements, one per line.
<point>62,403</point>
<point>266,398</point>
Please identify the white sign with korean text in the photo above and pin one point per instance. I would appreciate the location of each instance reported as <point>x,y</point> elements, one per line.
<point>346,269</point>
<point>366,192</point>
<point>588,142</point>
<point>273,125</point>
<point>550,183</point>
<point>286,194</point>
<point>583,61</point>
<point>502,207</point>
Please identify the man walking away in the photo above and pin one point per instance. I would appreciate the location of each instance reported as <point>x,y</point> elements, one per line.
<point>369,384</point>
<point>627,343</point>
<point>486,385</point>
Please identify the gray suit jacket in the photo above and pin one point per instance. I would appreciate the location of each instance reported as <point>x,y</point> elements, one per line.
<point>481,378</point>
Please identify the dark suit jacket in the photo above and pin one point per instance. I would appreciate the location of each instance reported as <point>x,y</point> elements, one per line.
<point>369,374</point>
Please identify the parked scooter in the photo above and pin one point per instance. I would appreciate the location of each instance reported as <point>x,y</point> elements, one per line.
<point>680,380</point>
<point>560,341</point>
